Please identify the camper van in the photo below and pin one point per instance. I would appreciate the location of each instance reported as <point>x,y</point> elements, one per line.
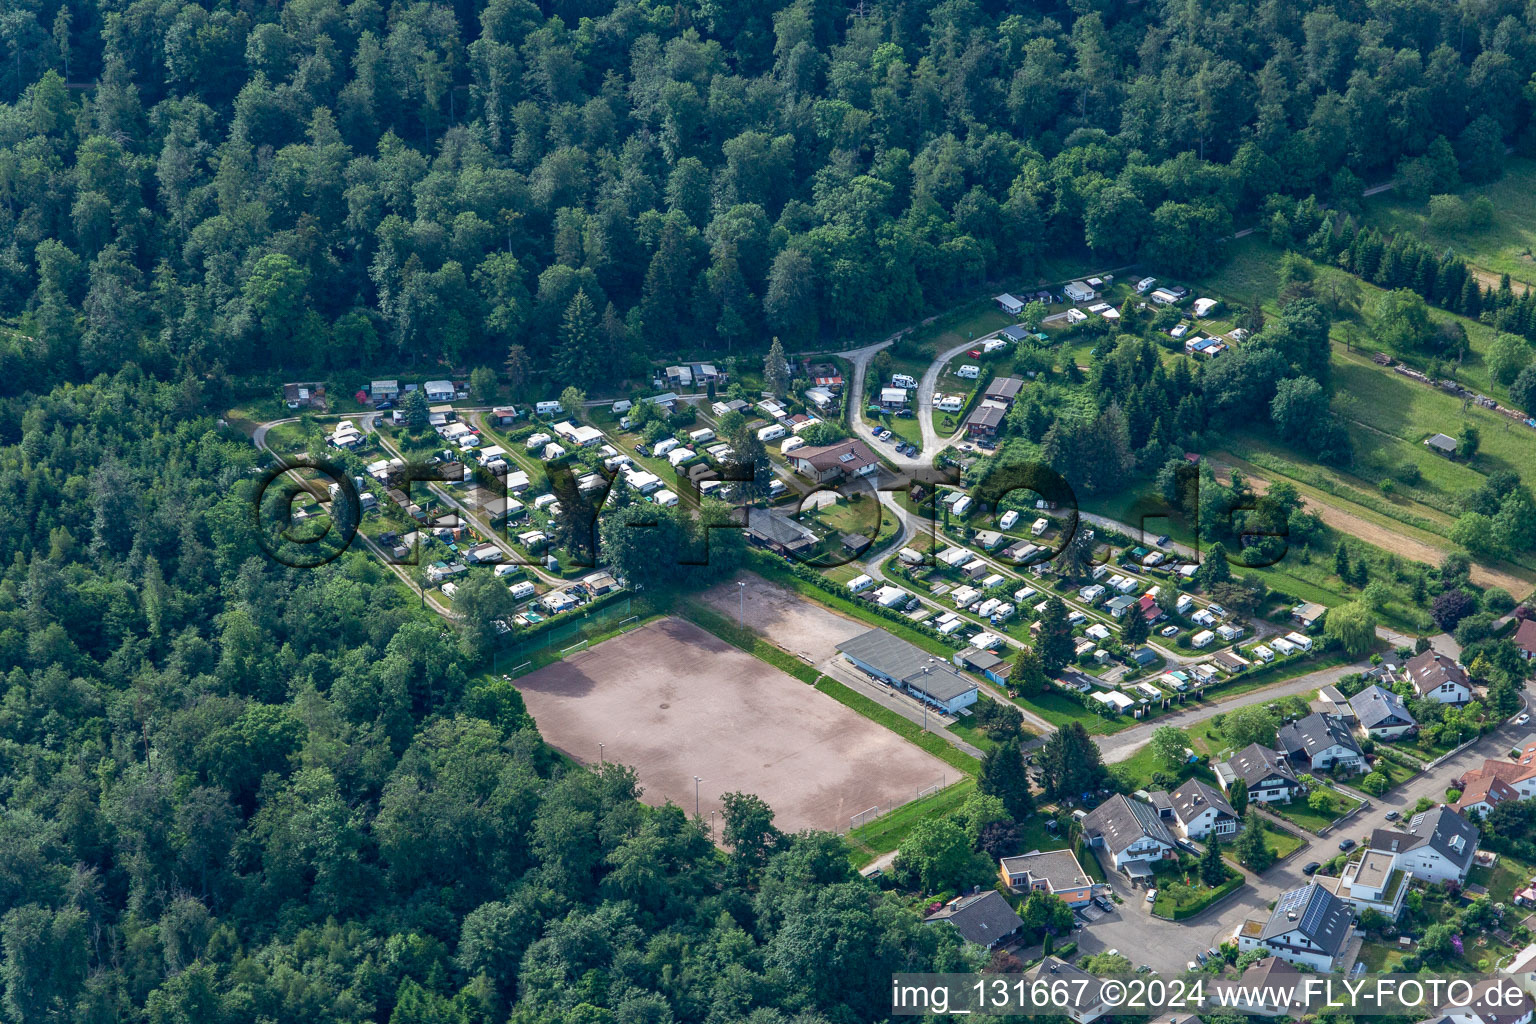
<point>548,408</point>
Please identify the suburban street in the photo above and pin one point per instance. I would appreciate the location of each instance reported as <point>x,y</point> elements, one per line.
<point>1167,946</point>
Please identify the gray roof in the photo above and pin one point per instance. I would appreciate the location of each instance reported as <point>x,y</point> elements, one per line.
<point>984,919</point>
<point>1441,442</point>
<point>1057,868</point>
<point>1082,990</point>
<point>1255,763</point>
<point>913,666</point>
<point>985,416</point>
<point>1122,821</point>
<point>1314,734</point>
<point>1316,913</point>
<point>777,528</point>
<point>1005,387</point>
<point>980,660</point>
<point>1439,828</point>
<point>1195,797</point>
<point>1376,707</point>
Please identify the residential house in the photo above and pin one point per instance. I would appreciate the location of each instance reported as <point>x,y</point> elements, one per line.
<point>1268,776</point>
<point>1198,809</point>
<point>1003,389</point>
<point>1131,832</point>
<point>1230,661</point>
<point>1054,871</point>
<point>1309,927</point>
<point>1518,777</point>
<point>1082,1002</point>
<point>893,398</point>
<point>826,463</point>
<point>439,390</point>
<point>1483,793</point>
<point>1266,989</point>
<point>384,390</point>
<point>903,665</point>
<point>1371,881</point>
<point>1439,845</point>
<point>1321,742</point>
<point>1437,677</point>
<point>1525,639</point>
<point>1381,714</point>
<point>984,422</point>
<point>1493,1001</point>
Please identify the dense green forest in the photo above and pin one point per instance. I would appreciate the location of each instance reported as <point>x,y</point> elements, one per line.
<point>243,186</point>
<point>231,791</point>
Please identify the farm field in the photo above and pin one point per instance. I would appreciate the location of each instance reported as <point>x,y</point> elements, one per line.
<point>675,702</point>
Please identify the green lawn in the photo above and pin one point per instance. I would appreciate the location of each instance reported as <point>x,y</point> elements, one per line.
<point>1382,957</point>
<point>1280,840</point>
<point>1302,814</point>
<point>1502,880</point>
<point>1202,897</point>
<point>1061,710</point>
<point>886,832</point>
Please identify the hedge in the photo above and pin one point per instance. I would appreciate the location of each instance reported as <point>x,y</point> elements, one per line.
<point>1234,882</point>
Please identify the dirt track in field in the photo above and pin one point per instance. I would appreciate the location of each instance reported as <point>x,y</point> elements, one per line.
<point>1390,540</point>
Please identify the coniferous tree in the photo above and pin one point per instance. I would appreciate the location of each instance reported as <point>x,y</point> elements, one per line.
<point>1004,775</point>
<point>1212,871</point>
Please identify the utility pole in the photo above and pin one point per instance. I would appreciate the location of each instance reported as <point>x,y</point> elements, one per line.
<point>696,781</point>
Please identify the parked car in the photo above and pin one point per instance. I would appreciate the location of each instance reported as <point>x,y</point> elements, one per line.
<point>1151,895</point>
<point>1393,815</point>
<point>642,449</point>
<point>1200,959</point>
<point>1161,540</point>
<point>1524,718</point>
<point>385,406</point>
<point>1168,631</point>
<point>1346,844</point>
<point>1311,868</point>
<point>1191,966</point>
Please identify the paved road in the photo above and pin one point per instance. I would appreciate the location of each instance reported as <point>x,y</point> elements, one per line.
<point>1167,946</point>
<point>1126,742</point>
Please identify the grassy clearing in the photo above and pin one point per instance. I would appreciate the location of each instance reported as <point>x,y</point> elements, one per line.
<point>1504,247</point>
<point>1398,407</point>
<point>1282,841</point>
<point>886,832</point>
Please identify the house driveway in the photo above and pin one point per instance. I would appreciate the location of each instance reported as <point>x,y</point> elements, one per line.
<point>1167,946</point>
